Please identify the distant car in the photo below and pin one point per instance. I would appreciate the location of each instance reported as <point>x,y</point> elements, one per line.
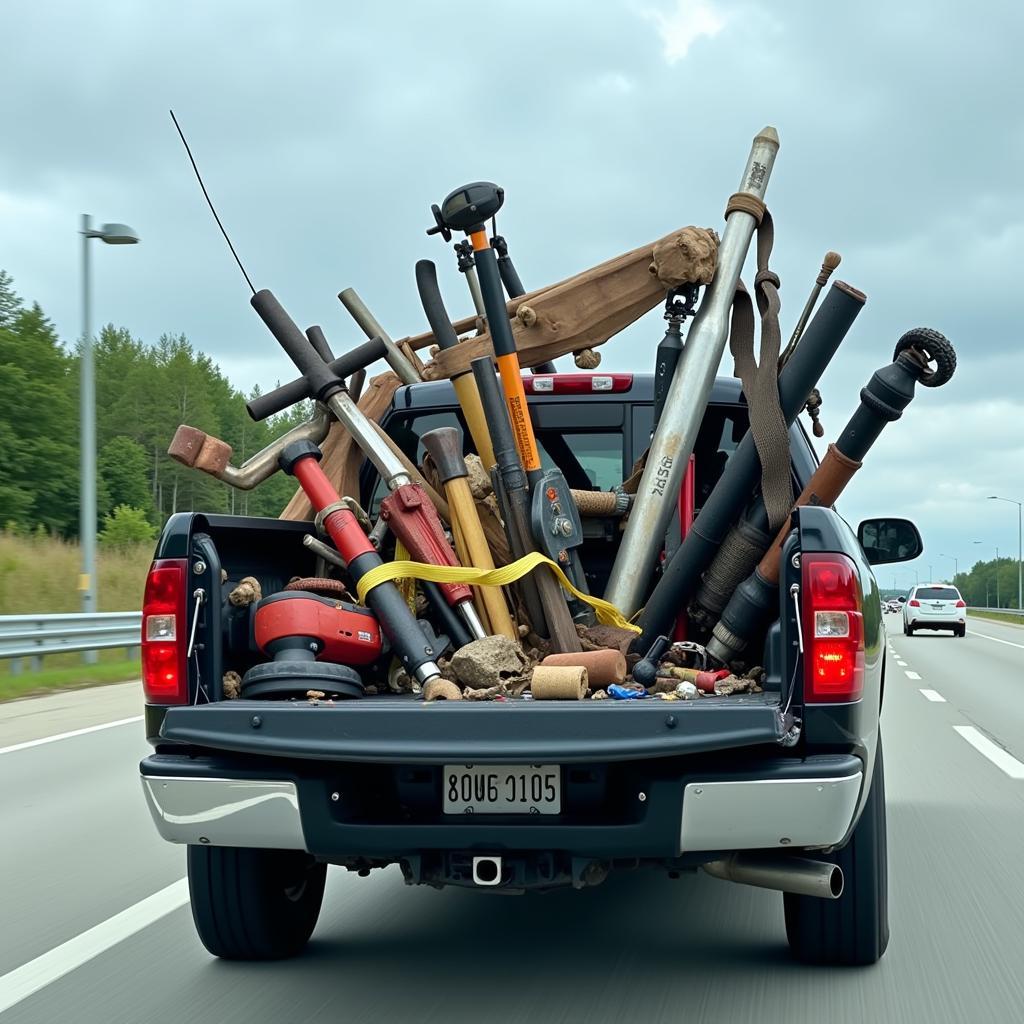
<point>892,605</point>
<point>935,606</point>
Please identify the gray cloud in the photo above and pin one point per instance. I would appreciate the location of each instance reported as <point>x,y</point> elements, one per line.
<point>326,130</point>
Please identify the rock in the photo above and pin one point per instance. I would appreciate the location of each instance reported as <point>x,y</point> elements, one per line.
<point>607,636</point>
<point>492,661</point>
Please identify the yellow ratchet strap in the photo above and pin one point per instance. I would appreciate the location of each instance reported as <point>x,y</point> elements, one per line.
<point>607,613</point>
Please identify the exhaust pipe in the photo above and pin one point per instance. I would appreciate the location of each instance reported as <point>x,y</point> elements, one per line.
<point>797,875</point>
<point>487,871</point>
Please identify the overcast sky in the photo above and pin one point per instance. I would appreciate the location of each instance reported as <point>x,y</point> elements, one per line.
<point>325,130</point>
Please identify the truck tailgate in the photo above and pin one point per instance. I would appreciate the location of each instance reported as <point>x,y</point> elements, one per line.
<point>394,730</point>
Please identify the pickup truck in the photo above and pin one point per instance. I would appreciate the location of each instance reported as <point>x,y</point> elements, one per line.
<point>753,787</point>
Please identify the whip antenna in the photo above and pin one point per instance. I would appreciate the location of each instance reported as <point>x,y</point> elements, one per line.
<point>209,202</point>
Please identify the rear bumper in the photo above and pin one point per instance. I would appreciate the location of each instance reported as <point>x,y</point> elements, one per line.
<point>937,623</point>
<point>654,810</point>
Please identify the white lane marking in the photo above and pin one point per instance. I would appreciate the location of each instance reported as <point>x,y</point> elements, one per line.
<point>68,735</point>
<point>999,757</point>
<point>911,675</point>
<point>902,664</point>
<point>985,636</point>
<point>934,696</point>
<point>28,979</point>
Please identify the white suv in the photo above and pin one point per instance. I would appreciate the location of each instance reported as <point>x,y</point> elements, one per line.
<point>935,606</point>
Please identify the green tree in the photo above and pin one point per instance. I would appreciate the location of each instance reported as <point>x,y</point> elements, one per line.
<point>39,427</point>
<point>126,526</point>
<point>124,471</point>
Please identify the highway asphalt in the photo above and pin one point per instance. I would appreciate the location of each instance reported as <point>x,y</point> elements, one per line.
<point>95,928</point>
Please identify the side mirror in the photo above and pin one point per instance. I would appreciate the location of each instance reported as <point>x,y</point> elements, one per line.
<point>889,540</point>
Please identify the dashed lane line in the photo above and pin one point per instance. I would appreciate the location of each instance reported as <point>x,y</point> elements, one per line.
<point>911,675</point>
<point>996,754</point>
<point>68,735</point>
<point>902,664</point>
<point>28,979</point>
<point>934,696</point>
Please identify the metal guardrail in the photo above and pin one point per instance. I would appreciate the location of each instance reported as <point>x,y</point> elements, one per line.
<point>32,636</point>
<point>1000,611</point>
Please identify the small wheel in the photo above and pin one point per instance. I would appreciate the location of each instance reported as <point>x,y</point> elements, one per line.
<point>909,630</point>
<point>934,349</point>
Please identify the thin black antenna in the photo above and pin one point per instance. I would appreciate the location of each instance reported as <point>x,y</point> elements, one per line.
<point>209,202</point>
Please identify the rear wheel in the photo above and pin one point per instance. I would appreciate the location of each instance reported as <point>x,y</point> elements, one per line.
<point>961,631</point>
<point>908,630</point>
<point>854,929</point>
<point>254,904</point>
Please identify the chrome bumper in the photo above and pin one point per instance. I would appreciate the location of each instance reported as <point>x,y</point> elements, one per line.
<point>764,813</point>
<point>225,812</point>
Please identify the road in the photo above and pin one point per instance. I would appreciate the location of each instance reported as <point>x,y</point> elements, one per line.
<point>80,864</point>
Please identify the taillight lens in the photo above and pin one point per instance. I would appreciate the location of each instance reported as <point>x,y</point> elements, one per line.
<point>914,604</point>
<point>961,603</point>
<point>165,633</point>
<point>833,624</point>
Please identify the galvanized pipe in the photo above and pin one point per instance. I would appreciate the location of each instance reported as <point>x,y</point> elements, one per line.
<point>264,463</point>
<point>396,358</point>
<point>688,394</point>
<point>798,875</point>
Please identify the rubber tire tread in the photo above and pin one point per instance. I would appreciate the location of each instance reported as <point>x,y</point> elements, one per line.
<point>239,905</point>
<point>938,348</point>
<point>853,930</point>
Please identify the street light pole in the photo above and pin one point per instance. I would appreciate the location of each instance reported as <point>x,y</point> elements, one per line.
<point>1020,547</point>
<point>112,234</point>
<point>956,565</point>
<point>997,577</point>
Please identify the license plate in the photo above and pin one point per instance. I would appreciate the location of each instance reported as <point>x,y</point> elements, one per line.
<point>502,789</point>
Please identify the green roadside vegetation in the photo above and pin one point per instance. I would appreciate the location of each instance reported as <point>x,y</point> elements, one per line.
<point>73,677</point>
<point>1013,620</point>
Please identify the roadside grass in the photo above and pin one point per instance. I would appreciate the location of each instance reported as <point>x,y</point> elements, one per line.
<point>1013,620</point>
<point>74,677</point>
<point>40,574</point>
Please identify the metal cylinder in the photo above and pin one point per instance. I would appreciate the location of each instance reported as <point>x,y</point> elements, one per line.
<point>687,397</point>
<point>798,875</point>
<point>371,327</point>
<point>821,340</point>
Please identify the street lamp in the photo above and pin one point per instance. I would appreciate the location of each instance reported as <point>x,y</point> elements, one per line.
<point>956,565</point>
<point>112,234</point>
<point>1020,554</point>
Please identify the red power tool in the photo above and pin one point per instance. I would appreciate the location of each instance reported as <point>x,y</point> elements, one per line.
<point>312,641</point>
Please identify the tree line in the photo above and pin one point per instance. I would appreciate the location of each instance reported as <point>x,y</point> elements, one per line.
<point>143,392</point>
<point>991,584</point>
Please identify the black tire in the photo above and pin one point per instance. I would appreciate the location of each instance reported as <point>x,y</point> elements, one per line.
<point>909,631</point>
<point>254,904</point>
<point>933,348</point>
<point>961,631</point>
<point>854,929</point>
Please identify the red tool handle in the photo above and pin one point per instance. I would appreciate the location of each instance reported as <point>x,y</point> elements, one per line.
<point>342,525</point>
<point>414,521</point>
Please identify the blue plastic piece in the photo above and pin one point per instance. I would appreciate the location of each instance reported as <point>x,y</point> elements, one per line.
<point>624,693</point>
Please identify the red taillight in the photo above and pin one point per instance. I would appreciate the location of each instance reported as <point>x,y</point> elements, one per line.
<point>165,633</point>
<point>914,604</point>
<point>833,626</point>
<point>576,383</point>
<point>961,603</point>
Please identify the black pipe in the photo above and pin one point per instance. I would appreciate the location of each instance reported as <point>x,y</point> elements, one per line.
<point>882,401</point>
<point>450,623</point>
<point>819,344</point>
<point>514,287</point>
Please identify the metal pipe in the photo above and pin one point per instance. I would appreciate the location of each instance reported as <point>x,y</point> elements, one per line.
<point>681,573</point>
<point>396,358</point>
<point>264,463</point>
<point>828,264</point>
<point>780,872</point>
<point>687,397</point>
